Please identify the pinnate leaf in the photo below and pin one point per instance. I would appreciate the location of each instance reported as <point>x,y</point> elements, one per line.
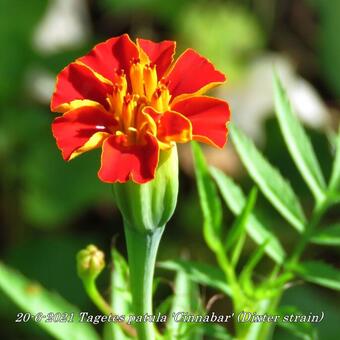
<point>201,273</point>
<point>298,143</point>
<point>277,190</point>
<point>319,273</point>
<point>209,200</point>
<point>329,236</point>
<point>235,200</point>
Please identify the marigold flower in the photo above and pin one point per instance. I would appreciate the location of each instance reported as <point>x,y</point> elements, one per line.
<point>133,101</point>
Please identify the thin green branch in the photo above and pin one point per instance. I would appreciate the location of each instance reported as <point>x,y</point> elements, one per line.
<point>104,307</point>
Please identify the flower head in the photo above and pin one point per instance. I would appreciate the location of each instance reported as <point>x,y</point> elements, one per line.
<point>134,101</point>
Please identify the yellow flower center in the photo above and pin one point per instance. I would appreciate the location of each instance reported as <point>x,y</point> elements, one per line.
<point>127,106</point>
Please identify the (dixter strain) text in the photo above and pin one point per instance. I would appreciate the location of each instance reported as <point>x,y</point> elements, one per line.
<point>185,317</point>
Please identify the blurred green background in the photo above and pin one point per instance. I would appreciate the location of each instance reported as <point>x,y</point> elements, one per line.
<point>50,209</point>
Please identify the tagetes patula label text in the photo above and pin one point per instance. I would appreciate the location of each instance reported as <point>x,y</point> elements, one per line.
<point>184,317</point>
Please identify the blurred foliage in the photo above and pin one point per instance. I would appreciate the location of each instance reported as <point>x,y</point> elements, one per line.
<point>18,20</point>
<point>328,41</point>
<point>51,190</point>
<point>232,47</point>
<point>50,209</point>
<point>165,12</point>
<point>307,299</point>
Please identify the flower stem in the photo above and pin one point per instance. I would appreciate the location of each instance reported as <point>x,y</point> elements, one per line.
<point>96,297</point>
<point>103,306</point>
<point>142,251</point>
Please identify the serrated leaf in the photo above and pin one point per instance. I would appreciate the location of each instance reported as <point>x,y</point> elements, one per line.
<point>329,236</point>
<point>277,190</point>
<point>303,330</point>
<point>200,273</point>
<point>298,143</point>
<point>334,183</point>
<point>209,200</point>
<point>33,298</point>
<point>320,273</point>
<point>235,200</point>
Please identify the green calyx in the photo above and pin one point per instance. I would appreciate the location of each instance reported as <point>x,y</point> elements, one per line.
<point>148,206</point>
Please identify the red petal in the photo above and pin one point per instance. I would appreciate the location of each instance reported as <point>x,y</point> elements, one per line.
<point>78,82</point>
<point>191,73</point>
<point>76,127</point>
<point>161,54</point>
<point>208,116</point>
<point>171,126</point>
<point>113,54</point>
<point>136,162</point>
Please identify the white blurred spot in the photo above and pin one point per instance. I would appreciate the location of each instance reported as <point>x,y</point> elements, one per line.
<point>40,84</point>
<point>64,25</point>
<point>252,101</point>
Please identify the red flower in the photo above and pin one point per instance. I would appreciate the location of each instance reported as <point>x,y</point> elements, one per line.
<point>133,101</point>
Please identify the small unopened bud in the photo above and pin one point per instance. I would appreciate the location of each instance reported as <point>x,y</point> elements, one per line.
<point>90,262</point>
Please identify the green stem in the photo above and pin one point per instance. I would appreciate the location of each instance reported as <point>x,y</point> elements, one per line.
<point>96,297</point>
<point>238,298</point>
<point>262,330</point>
<point>316,217</point>
<point>142,251</point>
<point>103,306</point>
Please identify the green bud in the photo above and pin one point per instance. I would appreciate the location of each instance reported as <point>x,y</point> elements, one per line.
<point>90,262</point>
<point>148,206</point>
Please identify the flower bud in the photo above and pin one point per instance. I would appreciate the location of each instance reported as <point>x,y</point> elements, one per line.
<point>148,206</point>
<point>90,262</point>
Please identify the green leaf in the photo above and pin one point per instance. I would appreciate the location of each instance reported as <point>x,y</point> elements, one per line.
<point>298,143</point>
<point>237,233</point>
<point>329,236</point>
<point>120,292</point>
<point>320,273</point>
<point>235,200</point>
<point>334,183</point>
<point>186,299</point>
<point>32,298</point>
<point>277,190</point>
<point>213,331</point>
<point>165,306</point>
<point>303,330</point>
<point>200,273</point>
<point>209,200</point>
<point>240,223</point>
<point>121,296</point>
<point>254,259</point>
